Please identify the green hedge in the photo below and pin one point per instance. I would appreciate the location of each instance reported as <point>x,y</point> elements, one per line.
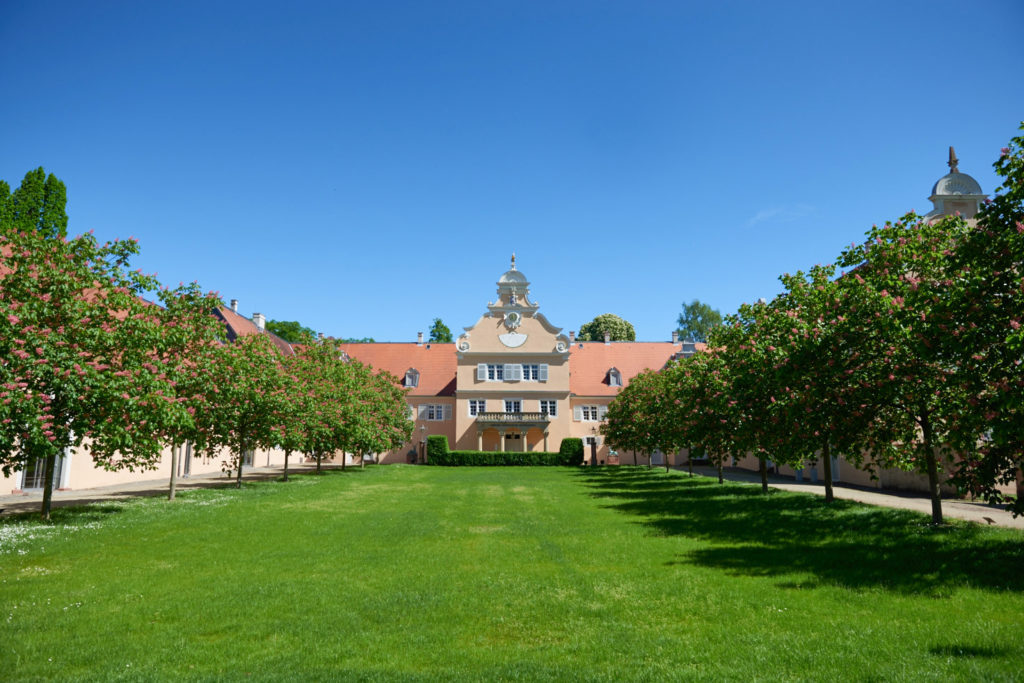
<point>438,454</point>
<point>572,449</point>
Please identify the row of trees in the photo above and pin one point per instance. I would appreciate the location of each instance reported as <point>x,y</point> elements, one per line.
<point>906,352</point>
<point>87,363</point>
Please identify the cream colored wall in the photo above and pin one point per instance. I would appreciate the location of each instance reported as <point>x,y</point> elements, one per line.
<point>486,347</point>
<point>81,472</point>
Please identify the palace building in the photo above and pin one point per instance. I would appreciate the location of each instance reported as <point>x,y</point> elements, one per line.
<point>513,381</point>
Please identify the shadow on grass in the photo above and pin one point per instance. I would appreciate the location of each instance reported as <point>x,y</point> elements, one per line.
<point>842,543</point>
<point>968,651</point>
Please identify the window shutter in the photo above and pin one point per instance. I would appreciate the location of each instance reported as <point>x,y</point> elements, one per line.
<point>517,370</point>
<point>508,372</point>
<point>481,372</point>
<point>422,410</point>
<point>447,412</point>
<point>542,373</point>
<point>600,440</point>
<point>577,413</point>
<point>601,412</point>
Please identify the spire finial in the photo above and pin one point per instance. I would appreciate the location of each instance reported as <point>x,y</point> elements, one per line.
<point>953,161</point>
<point>514,253</point>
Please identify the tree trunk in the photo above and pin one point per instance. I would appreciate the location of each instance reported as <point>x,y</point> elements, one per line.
<point>763,467</point>
<point>241,461</point>
<point>666,462</point>
<point>286,454</point>
<point>317,454</point>
<point>933,468</point>
<point>720,477</point>
<point>174,472</point>
<point>826,460</point>
<point>689,460</point>
<point>635,460</point>
<point>51,460</point>
<point>362,461</point>
<point>344,457</point>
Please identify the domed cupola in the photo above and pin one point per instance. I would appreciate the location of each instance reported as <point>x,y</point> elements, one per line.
<point>513,293</point>
<point>955,193</point>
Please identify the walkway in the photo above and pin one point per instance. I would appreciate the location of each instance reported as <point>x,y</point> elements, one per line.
<point>32,500</point>
<point>979,512</point>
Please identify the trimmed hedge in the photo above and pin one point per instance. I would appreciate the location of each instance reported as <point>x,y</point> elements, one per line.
<point>572,449</point>
<point>438,454</point>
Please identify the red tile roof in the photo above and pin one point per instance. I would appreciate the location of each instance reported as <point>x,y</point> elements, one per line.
<point>589,363</point>
<point>436,363</point>
<point>240,326</point>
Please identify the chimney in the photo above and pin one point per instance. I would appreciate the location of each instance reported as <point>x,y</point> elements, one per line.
<point>607,337</point>
<point>320,336</point>
<point>419,339</point>
<point>675,336</point>
<point>572,337</point>
<point>234,305</point>
<point>260,321</point>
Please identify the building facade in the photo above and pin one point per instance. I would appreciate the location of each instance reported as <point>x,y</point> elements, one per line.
<point>512,381</point>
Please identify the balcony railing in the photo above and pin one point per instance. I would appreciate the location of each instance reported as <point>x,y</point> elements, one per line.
<point>513,417</point>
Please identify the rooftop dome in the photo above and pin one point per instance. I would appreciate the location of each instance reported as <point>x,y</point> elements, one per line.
<point>956,183</point>
<point>513,276</point>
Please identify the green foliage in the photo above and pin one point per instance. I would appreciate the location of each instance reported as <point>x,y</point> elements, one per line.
<point>619,329</point>
<point>500,459</point>
<point>359,340</point>
<point>439,333</point>
<point>291,331</point>
<point>437,446</point>
<point>37,205</point>
<point>697,320</point>
<point>571,448</point>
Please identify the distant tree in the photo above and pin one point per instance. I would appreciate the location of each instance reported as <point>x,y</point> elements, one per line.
<point>697,320</point>
<point>439,333</point>
<point>619,329</point>
<point>291,331</point>
<point>357,340</point>
<point>36,206</point>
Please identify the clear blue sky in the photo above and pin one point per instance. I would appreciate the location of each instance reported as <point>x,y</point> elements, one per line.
<point>363,167</point>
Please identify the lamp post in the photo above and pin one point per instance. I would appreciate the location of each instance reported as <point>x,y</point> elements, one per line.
<point>423,444</point>
<point>593,447</point>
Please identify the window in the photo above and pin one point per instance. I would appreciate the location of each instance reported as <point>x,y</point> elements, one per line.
<point>433,412</point>
<point>614,378</point>
<point>513,405</point>
<point>476,407</point>
<point>412,377</point>
<point>589,413</point>
<point>511,372</point>
<point>549,408</point>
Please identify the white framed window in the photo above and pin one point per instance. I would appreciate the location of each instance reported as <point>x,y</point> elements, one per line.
<point>511,372</point>
<point>549,408</point>
<point>513,405</point>
<point>435,412</point>
<point>477,406</point>
<point>614,378</point>
<point>589,413</point>
<point>412,377</point>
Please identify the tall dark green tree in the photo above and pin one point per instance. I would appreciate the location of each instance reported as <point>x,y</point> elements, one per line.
<point>37,205</point>
<point>619,329</point>
<point>697,320</point>
<point>440,333</point>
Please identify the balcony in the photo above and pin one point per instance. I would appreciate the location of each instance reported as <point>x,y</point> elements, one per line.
<point>513,418</point>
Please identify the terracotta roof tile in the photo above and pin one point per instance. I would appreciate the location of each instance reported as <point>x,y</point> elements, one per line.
<point>436,363</point>
<point>240,326</point>
<point>589,363</point>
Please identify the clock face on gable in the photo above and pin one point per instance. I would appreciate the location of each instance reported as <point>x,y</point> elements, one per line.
<point>512,320</point>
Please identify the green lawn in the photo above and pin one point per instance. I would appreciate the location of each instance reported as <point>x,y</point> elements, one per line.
<point>403,572</point>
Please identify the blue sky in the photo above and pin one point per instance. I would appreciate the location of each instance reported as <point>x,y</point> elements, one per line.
<point>364,167</point>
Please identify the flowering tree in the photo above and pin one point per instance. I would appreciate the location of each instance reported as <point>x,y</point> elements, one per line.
<point>190,337</point>
<point>985,334</point>
<point>242,406</point>
<point>77,355</point>
<point>639,419</point>
<point>903,276</point>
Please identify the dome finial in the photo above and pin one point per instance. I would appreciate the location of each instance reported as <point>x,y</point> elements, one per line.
<point>953,161</point>
<point>514,254</point>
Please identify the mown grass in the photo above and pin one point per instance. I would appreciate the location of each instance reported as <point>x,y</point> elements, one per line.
<point>420,573</point>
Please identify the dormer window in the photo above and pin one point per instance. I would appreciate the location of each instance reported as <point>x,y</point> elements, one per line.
<point>412,378</point>
<point>614,378</point>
